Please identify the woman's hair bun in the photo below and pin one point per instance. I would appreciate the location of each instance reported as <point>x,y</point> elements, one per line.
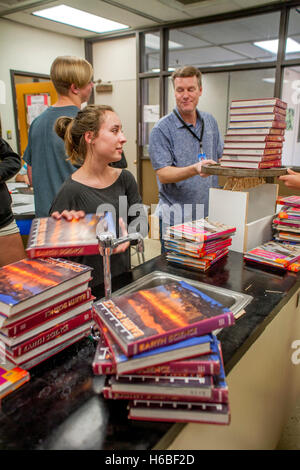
<point>61,125</point>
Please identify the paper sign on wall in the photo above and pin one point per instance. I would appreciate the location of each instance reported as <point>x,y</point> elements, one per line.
<point>35,105</point>
<point>151,112</point>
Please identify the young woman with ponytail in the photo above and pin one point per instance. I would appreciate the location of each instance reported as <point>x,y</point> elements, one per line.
<point>93,140</point>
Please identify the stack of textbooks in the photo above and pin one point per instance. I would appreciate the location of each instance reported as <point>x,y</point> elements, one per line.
<point>198,244</point>
<point>45,306</point>
<point>255,134</point>
<point>275,254</point>
<point>158,350</point>
<point>286,224</point>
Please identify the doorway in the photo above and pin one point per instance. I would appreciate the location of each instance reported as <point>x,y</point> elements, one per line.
<point>32,93</point>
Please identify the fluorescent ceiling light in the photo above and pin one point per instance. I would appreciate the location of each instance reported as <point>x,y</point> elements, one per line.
<point>272,46</point>
<point>80,19</point>
<point>272,80</point>
<point>170,69</point>
<point>153,42</point>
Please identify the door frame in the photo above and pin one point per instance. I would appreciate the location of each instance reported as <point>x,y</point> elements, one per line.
<point>13,73</point>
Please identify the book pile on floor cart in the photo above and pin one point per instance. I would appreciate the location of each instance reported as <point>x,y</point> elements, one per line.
<point>158,350</point>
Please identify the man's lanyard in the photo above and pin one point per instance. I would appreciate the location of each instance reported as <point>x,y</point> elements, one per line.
<point>201,155</point>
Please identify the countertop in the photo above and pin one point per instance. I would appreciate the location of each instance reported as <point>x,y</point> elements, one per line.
<point>61,407</point>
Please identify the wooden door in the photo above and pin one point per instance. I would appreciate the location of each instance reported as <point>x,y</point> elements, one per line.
<point>22,90</point>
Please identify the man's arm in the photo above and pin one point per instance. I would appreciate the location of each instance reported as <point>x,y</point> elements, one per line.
<point>174,174</point>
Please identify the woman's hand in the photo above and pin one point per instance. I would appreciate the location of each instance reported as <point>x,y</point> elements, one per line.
<point>68,215</point>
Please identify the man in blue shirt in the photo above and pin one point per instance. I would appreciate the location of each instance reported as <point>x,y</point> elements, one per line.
<point>47,163</point>
<point>180,143</point>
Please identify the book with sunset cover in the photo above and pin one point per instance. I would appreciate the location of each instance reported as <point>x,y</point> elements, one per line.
<point>19,324</point>
<point>202,364</point>
<point>29,282</point>
<point>146,360</point>
<point>162,315</point>
<point>52,237</point>
<point>200,230</point>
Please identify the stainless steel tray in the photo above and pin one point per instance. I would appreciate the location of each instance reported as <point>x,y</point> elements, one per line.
<point>235,301</point>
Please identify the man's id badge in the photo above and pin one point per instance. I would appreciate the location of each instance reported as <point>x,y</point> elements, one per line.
<point>201,156</point>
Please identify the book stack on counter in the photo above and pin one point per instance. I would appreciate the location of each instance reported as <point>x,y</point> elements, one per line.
<point>255,134</point>
<point>157,350</point>
<point>278,255</point>
<point>286,223</point>
<point>45,306</point>
<point>198,244</point>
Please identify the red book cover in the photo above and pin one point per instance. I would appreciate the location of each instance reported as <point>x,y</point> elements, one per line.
<point>259,102</point>
<point>256,117</point>
<point>29,282</point>
<point>252,151</point>
<point>180,412</point>
<point>253,139</point>
<point>200,230</point>
<point>257,124</point>
<point>199,263</point>
<point>29,363</point>
<point>63,238</point>
<point>286,222</point>
<point>160,316</point>
<point>289,200</point>
<point>103,362</point>
<point>158,386</point>
<point>197,250</point>
<point>253,131</point>
<point>257,110</point>
<point>249,158</point>
<point>252,145</point>
<point>255,165</point>
<point>278,253</point>
<point>161,355</point>
<point>57,309</point>
<point>131,387</point>
<point>54,332</point>
<point>41,353</point>
<point>204,364</point>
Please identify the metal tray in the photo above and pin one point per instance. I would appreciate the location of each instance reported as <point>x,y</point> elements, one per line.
<point>235,301</point>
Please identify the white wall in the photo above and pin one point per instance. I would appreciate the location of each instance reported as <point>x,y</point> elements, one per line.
<point>115,61</point>
<point>28,49</point>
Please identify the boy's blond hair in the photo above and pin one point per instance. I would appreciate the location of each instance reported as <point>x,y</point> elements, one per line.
<point>66,70</point>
